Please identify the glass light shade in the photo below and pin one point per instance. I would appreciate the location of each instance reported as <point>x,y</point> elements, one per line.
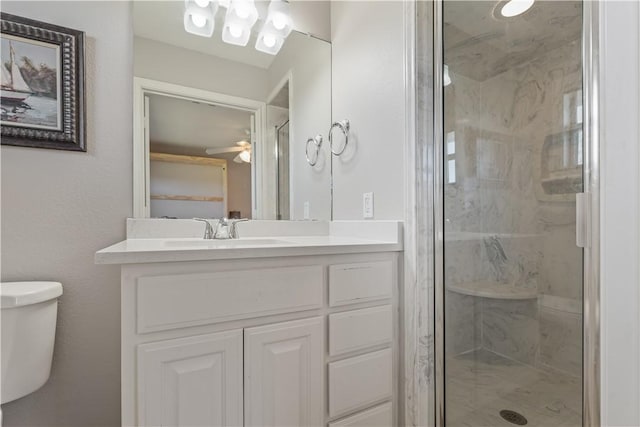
<point>278,20</point>
<point>516,7</point>
<point>240,18</point>
<point>269,43</point>
<point>200,20</point>
<point>242,12</point>
<point>243,157</point>
<point>235,34</point>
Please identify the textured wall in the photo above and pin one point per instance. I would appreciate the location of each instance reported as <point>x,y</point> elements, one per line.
<point>368,89</point>
<point>59,207</point>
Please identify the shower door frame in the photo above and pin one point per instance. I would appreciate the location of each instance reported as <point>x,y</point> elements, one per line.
<point>591,181</point>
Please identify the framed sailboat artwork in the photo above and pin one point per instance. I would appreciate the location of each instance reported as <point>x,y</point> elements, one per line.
<point>42,100</point>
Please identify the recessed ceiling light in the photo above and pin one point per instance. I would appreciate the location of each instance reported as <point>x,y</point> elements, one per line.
<point>515,7</point>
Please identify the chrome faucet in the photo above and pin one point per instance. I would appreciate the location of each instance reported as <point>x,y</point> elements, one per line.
<point>233,231</point>
<point>208,229</point>
<point>222,229</point>
<point>225,228</point>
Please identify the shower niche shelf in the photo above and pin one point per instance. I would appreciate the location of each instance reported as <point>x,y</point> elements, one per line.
<point>571,182</point>
<point>494,290</point>
<point>560,169</point>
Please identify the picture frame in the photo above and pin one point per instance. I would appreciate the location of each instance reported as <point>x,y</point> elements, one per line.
<point>43,85</point>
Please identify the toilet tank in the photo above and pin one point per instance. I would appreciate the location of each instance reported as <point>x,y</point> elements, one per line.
<point>29,311</point>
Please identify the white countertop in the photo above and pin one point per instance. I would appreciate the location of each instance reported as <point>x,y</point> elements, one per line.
<point>177,249</point>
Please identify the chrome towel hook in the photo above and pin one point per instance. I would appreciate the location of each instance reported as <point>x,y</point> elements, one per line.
<point>344,127</point>
<point>314,154</point>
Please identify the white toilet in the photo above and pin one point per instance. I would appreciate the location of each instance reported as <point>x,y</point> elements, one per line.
<point>29,312</point>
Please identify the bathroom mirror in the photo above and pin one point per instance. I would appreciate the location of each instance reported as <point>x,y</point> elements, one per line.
<point>220,130</point>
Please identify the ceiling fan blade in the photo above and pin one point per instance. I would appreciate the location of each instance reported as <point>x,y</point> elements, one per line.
<point>222,150</point>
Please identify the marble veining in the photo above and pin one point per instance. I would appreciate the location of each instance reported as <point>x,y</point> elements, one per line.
<point>512,123</point>
<point>419,347</point>
<point>481,383</point>
<point>508,226</point>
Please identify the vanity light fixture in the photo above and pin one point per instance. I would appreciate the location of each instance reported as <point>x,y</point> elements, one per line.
<point>276,28</point>
<point>240,18</point>
<point>278,20</point>
<point>268,43</point>
<point>199,16</point>
<point>515,7</point>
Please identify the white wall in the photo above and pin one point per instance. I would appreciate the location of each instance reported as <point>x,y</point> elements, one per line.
<point>166,63</point>
<point>309,61</point>
<point>368,89</point>
<point>620,213</point>
<point>312,17</point>
<point>59,207</point>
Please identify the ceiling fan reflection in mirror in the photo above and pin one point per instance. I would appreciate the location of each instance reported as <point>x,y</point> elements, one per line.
<point>243,148</point>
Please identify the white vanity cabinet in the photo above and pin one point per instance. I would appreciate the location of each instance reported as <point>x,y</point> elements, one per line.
<point>283,374</point>
<point>191,381</point>
<point>283,341</point>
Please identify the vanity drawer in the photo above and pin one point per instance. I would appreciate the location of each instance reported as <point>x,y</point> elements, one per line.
<point>379,416</point>
<point>359,381</point>
<point>358,329</point>
<point>191,299</point>
<point>360,282</point>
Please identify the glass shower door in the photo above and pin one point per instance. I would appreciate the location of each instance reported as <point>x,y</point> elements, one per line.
<point>512,164</point>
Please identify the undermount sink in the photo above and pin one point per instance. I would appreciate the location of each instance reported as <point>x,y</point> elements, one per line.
<point>222,243</point>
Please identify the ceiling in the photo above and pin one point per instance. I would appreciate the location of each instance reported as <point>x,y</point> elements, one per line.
<point>479,45</point>
<point>187,127</point>
<point>161,20</point>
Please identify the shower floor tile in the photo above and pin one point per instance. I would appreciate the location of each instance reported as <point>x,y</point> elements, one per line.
<point>480,384</point>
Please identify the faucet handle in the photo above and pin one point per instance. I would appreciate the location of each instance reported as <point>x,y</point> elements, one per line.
<point>233,232</point>
<point>220,232</point>
<point>208,229</point>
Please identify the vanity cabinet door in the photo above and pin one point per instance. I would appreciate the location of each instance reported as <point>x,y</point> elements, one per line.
<point>194,381</point>
<point>283,374</point>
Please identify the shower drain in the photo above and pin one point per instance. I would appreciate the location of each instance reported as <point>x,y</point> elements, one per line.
<point>513,417</point>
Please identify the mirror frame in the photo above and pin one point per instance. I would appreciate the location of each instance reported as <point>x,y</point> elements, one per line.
<point>141,149</point>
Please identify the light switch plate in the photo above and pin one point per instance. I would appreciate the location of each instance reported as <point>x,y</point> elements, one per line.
<point>307,208</point>
<point>367,205</point>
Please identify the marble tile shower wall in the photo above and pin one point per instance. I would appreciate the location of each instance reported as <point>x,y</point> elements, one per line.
<point>518,234</point>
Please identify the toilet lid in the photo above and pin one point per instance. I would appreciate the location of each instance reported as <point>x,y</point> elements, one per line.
<point>16,294</point>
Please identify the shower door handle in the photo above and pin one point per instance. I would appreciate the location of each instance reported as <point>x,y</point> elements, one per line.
<point>583,219</point>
